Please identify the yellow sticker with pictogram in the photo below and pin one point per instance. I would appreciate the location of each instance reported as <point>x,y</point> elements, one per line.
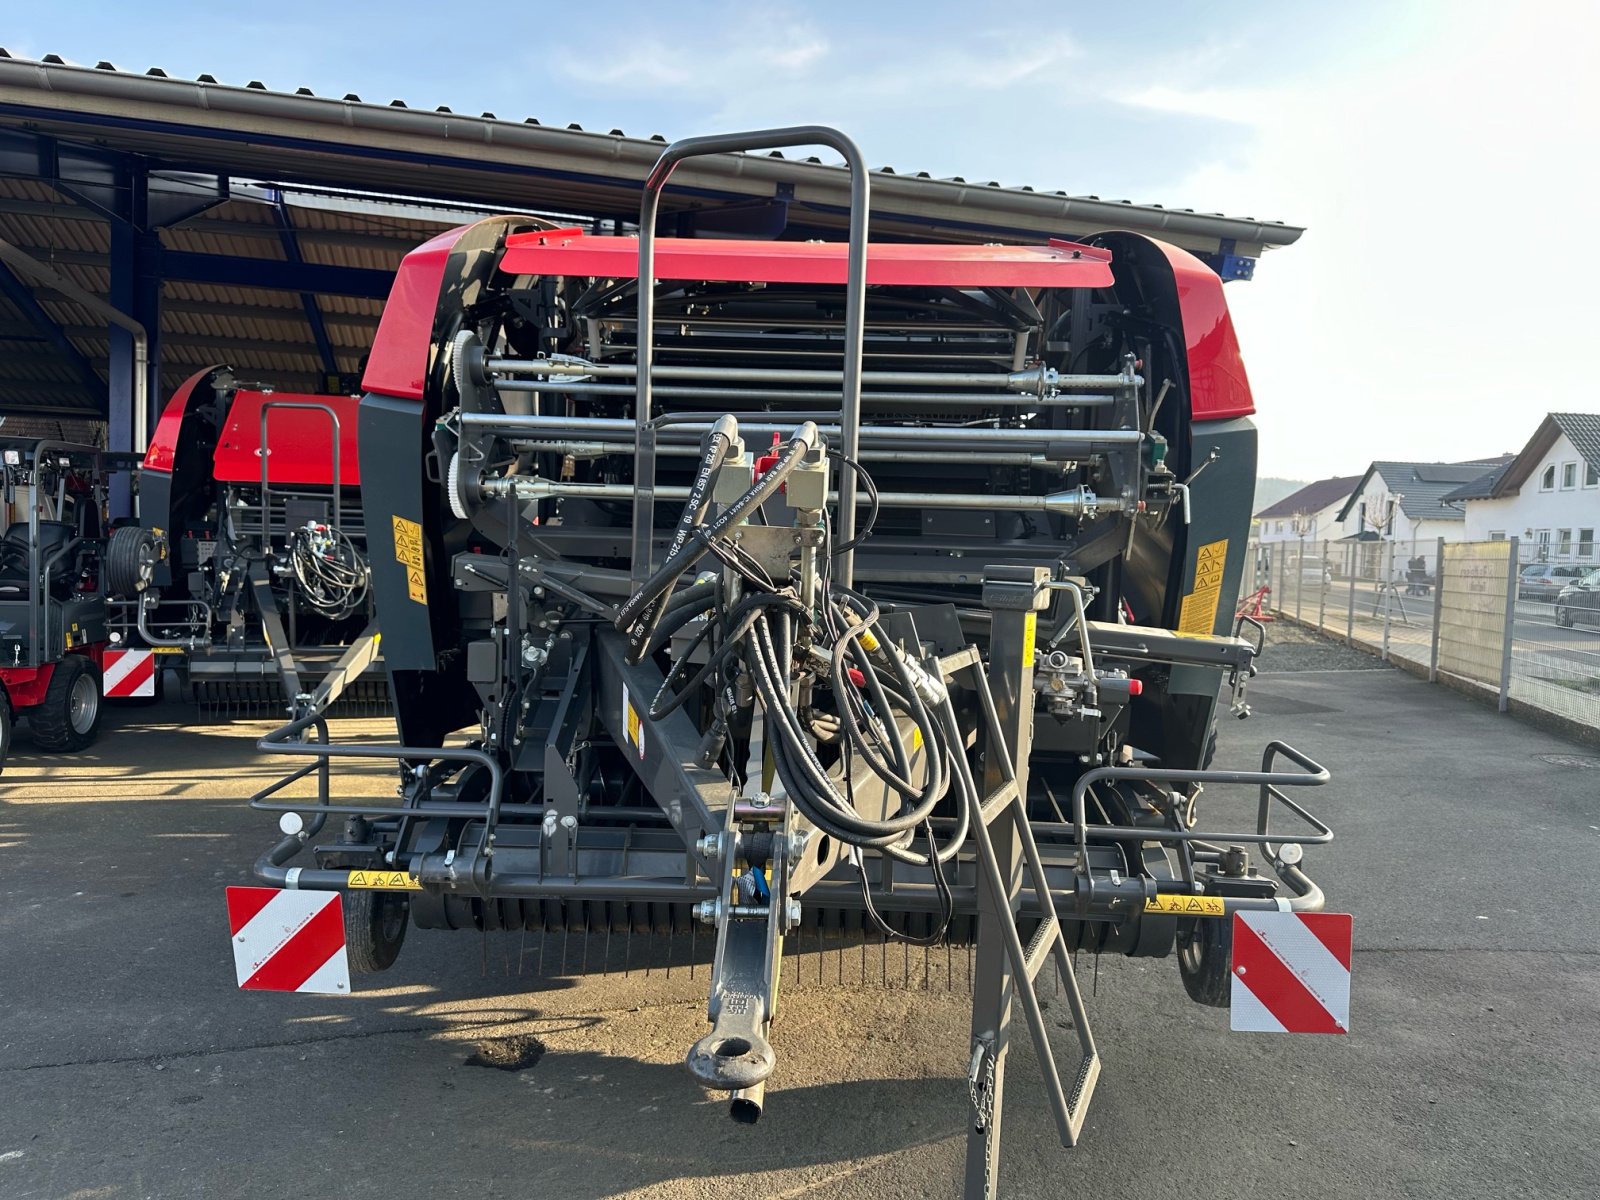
<point>1030,634</point>
<point>408,553</point>
<point>1186,906</point>
<point>1199,612</point>
<point>383,881</point>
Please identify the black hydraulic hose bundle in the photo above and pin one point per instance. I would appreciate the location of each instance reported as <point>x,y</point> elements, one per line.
<point>875,686</point>
<point>639,615</point>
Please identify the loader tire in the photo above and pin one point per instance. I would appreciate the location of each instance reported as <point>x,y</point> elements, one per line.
<point>69,718</point>
<point>130,561</point>
<point>1205,960</point>
<point>374,929</point>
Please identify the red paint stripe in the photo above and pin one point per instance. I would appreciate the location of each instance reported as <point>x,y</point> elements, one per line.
<point>318,940</point>
<point>244,903</point>
<point>142,671</point>
<point>1333,931</point>
<point>1276,986</point>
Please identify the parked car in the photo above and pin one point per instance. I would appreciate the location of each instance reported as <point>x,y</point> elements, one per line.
<point>1544,581</point>
<point>1580,602</point>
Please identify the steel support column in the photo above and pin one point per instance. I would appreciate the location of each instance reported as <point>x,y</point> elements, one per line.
<point>136,291</point>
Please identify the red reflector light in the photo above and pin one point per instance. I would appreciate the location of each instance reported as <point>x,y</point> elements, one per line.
<point>1135,687</point>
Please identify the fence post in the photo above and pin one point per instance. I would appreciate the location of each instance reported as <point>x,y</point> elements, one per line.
<point>1352,567</point>
<point>1322,587</point>
<point>1438,610</point>
<point>1276,589</point>
<point>1508,635</point>
<point>1300,577</point>
<point>1385,589</point>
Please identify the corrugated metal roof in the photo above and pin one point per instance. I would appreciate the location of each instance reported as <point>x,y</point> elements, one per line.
<point>489,160</point>
<point>481,162</point>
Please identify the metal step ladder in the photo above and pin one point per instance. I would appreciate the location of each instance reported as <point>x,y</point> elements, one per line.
<point>1008,967</point>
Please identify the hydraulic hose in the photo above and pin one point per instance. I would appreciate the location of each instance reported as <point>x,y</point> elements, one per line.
<point>697,541</point>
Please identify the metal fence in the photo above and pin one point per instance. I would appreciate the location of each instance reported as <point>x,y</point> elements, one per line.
<point>1470,611</point>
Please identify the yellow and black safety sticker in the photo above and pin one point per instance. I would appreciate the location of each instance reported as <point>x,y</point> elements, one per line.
<point>632,726</point>
<point>1030,633</point>
<point>165,649</point>
<point>1199,612</point>
<point>383,881</point>
<point>408,553</point>
<point>1186,906</point>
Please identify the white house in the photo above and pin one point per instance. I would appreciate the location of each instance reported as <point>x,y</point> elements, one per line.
<point>1403,502</point>
<point>1548,495</point>
<point>1311,513</point>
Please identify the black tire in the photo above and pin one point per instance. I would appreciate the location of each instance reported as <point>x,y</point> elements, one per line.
<point>1205,960</point>
<point>130,562</point>
<point>69,718</point>
<point>375,926</point>
<point>1563,617</point>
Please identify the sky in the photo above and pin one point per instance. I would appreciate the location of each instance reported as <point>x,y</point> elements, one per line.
<point>1443,157</point>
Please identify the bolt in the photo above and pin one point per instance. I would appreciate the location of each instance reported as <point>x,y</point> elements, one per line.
<point>709,846</point>
<point>762,800</point>
<point>797,845</point>
<point>707,911</point>
<point>792,911</point>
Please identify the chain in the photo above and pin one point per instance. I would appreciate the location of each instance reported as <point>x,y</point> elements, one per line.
<point>981,1095</point>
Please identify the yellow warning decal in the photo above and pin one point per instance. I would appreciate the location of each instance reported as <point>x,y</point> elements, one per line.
<point>1199,613</point>
<point>1030,630</point>
<point>383,881</point>
<point>165,649</point>
<point>1186,906</point>
<point>631,723</point>
<point>408,553</point>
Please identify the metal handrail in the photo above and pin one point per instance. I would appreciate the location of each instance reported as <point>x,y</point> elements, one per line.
<point>266,527</point>
<point>1313,774</point>
<point>855,321</point>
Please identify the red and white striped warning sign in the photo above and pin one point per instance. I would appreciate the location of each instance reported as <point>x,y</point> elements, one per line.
<point>1291,972</point>
<point>288,941</point>
<point>128,673</point>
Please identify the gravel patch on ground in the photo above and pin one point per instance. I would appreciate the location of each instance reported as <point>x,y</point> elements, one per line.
<point>1295,647</point>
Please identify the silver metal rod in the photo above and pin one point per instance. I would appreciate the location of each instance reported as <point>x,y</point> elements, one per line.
<point>980,439</point>
<point>1069,503</point>
<point>807,397</point>
<point>1034,380</point>
<point>599,449</point>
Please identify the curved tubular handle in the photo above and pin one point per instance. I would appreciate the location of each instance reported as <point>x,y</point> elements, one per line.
<point>855,319</point>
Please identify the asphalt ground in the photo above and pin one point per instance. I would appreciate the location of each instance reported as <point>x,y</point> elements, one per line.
<point>130,1066</point>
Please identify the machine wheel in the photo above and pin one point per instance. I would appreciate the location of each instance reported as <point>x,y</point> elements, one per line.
<point>1205,960</point>
<point>374,928</point>
<point>1563,617</point>
<point>130,560</point>
<point>69,717</point>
